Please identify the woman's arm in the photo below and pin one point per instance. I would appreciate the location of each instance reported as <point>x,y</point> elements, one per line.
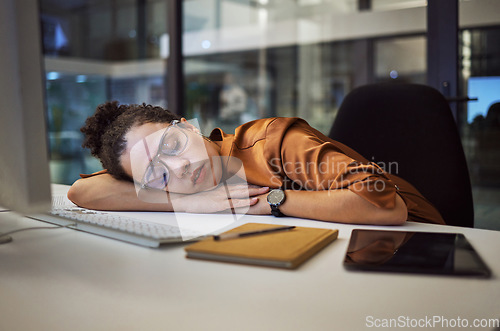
<point>103,192</point>
<point>342,206</point>
<point>331,181</point>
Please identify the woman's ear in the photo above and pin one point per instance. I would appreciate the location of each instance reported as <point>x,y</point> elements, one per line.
<point>189,126</point>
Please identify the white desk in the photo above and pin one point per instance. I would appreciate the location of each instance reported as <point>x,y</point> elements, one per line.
<point>69,280</point>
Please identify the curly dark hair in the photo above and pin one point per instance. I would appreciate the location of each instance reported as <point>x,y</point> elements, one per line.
<point>105,131</point>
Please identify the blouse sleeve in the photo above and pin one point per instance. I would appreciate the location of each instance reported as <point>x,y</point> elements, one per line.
<point>312,161</point>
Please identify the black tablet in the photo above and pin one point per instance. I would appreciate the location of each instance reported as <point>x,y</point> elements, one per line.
<point>414,252</point>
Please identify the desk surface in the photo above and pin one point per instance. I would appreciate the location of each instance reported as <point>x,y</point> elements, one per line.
<point>69,280</point>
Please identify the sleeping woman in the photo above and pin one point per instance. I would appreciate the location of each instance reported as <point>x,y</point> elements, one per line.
<point>155,160</point>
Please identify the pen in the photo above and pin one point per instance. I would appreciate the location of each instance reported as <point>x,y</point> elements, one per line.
<point>233,235</point>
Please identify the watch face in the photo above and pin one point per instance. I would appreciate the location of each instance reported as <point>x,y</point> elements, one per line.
<point>276,197</point>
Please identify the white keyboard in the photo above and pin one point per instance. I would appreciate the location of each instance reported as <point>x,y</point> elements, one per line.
<point>124,228</point>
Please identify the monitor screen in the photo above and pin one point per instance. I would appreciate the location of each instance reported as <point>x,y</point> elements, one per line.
<point>24,168</point>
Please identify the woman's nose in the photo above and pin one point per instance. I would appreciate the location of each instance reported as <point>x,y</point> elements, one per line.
<point>178,166</point>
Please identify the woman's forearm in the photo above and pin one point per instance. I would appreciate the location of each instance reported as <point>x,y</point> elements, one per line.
<point>103,192</point>
<point>343,206</point>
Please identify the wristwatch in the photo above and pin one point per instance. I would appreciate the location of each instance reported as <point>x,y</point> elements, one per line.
<point>275,198</point>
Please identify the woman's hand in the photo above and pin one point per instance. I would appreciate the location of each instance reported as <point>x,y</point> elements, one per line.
<point>261,207</point>
<point>237,197</point>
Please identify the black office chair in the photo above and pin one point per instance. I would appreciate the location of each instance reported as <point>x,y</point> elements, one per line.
<point>412,125</point>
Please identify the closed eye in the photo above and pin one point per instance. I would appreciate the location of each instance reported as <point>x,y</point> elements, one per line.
<point>171,146</point>
<point>174,142</point>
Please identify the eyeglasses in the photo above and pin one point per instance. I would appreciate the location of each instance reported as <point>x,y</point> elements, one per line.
<point>172,143</point>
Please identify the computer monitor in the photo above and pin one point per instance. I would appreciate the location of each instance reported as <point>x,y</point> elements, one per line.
<point>24,166</point>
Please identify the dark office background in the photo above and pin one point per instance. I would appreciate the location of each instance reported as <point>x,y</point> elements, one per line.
<point>248,59</point>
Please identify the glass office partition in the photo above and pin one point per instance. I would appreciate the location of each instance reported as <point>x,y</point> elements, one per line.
<point>97,51</point>
<point>253,59</point>
<point>480,123</point>
<point>401,59</point>
<point>384,5</point>
<point>116,30</point>
<point>70,100</point>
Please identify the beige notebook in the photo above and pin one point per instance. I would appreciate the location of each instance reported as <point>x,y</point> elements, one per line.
<point>285,249</point>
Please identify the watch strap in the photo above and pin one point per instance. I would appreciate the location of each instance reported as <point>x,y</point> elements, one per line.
<point>276,211</point>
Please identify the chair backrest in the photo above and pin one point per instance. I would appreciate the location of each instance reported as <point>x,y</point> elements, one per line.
<point>410,129</point>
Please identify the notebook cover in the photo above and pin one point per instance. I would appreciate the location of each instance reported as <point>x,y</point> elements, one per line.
<point>286,249</point>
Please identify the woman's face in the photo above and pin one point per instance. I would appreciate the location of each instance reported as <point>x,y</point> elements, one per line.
<point>198,167</point>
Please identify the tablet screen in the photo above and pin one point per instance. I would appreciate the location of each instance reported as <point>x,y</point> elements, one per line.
<point>413,252</point>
